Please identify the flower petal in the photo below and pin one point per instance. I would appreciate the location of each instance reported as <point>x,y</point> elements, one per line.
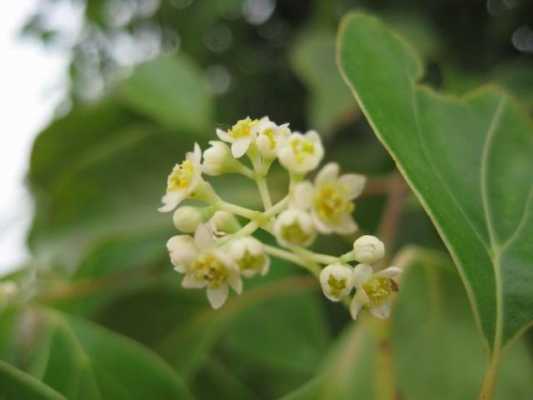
<point>223,135</point>
<point>203,237</point>
<point>346,225</point>
<point>355,307</point>
<point>361,274</point>
<point>320,225</point>
<point>240,146</point>
<point>170,201</point>
<point>217,296</point>
<point>328,173</point>
<point>235,282</point>
<point>382,311</point>
<point>391,272</point>
<point>303,195</point>
<point>353,183</point>
<point>182,251</point>
<point>190,282</point>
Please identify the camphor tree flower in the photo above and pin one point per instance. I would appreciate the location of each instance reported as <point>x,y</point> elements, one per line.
<point>330,199</point>
<point>186,218</point>
<point>183,180</point>
<point>270,136</point>
<point>294,227</point>
<point>301,153</point>
<point>218,160</point>
<point>375,290</point>
<point>368,249</point>
<point>336,281</point>
<point>249,254</point>
<point>223,223</point>
<point>241,136</point>
<point>223,251</point>
<point>205,265</point>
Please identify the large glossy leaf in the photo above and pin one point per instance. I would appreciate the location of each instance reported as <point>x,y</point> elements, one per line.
<point>467,159</point>
<point>84,361</point>
<point>16,384</point>
<point>431,333</point>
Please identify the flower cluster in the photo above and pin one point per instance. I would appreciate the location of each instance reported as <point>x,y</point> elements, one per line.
<point>216,249</point>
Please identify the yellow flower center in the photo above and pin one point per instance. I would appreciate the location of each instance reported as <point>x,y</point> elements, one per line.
<point>209,268</point>
<point>295,234</point>
<point>181,176</point>
<point>379,288</point>
<point>336,286</point>
<point>242,128</point>
<point>302,148</point>
<point>251,262</point>
<point>269,133</point>
<point>331,202</point>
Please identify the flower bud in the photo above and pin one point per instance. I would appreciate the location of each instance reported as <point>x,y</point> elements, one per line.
<point>368,249</point>
<point>224,223</point>
<point>336,281</point>
<point>249,254</point>
<point>186,219</point>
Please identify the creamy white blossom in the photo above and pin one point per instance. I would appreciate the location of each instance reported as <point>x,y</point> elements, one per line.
<point>375,290</point>
<point>249,254</point>
<point>294,227</point>
<point>218,159</point>
<point>183,180</point>
<point>336,281</point>
<point>223,223</point>
<point>241,136</point>
<point>368,249</point>
<point>301,153</point>
<point>330,199</point>
<point>186,218</point>
<point>269,137</point>
<point>205,265</point>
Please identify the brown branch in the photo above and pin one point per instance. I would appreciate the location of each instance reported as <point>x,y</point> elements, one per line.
<point>396,194</point>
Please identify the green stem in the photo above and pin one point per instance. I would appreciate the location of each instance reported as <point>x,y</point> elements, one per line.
<point>286,255</point>
<point>264,192</point>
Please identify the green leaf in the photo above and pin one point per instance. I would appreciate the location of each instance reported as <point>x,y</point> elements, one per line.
<point>16,385</point>
<point>329,103</point>
<point>467,159</point>
<point>171,90</point>
<point>433,333</point>
<point>84,361</point>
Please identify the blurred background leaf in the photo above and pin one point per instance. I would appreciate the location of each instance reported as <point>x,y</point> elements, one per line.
<point>148,78</point>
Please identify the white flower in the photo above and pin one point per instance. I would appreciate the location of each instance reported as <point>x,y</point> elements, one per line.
<point>301,153</point>
<point>218,159</point>
<point>336,281</point>
<point>330,199</point>
<point>223,223</point>
<point>187,218</point>
<point>183,180</point>
<point>294,227</point>
<point>241,136</point>
<point>204,265</point>
<point>374,290</point>
<point>249,254</point>
<point>269,137</point>
<point>368,249</point>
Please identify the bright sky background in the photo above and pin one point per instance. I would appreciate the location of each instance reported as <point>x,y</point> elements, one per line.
<point>31,84</point>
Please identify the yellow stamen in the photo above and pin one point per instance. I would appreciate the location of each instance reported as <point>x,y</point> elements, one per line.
<point>302,148</point>
<point>242,128</point>
<point>181,176</point>
<point>331,202</point>
<point>379,288</point>
<point>209,268</point>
